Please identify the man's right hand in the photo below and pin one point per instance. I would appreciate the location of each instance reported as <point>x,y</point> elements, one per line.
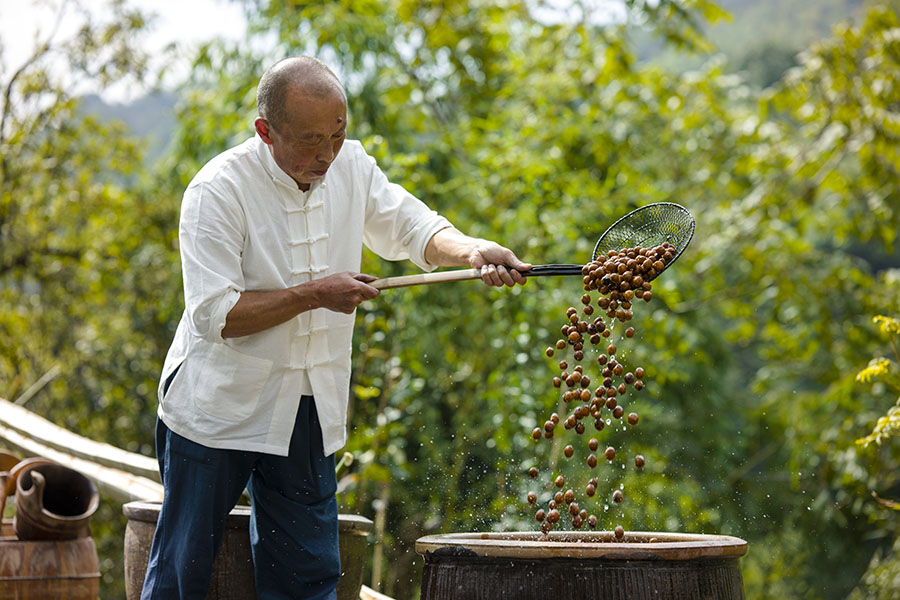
<point>258,311</point>
<point>343,292</point>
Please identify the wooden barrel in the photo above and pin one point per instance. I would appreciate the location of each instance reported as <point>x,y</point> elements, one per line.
<point>47,570</point>
<point>232,576</point>
<point>581,566</point>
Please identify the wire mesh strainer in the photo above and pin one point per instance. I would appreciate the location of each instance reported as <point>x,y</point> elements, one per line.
<point>648,227</point>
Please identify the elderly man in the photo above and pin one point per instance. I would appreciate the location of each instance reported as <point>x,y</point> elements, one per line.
<point>255,386</point>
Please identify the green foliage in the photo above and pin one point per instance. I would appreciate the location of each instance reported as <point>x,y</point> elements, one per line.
<point>86,249</point>
<point>882,579</point>
<point>86,253</point>
<point>537,135</point>
<point>884,370</point>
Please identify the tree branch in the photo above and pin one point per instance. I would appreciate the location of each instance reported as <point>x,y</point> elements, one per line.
<point>42,49</point>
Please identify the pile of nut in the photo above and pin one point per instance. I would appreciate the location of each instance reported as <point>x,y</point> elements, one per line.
<point>620,278</point>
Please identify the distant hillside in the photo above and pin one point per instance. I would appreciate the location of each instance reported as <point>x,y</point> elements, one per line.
<point>789,22</point>
<point>763,37</point>
<point>151,117</point>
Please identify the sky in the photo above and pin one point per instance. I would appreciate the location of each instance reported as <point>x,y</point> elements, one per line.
<point>184,22</point>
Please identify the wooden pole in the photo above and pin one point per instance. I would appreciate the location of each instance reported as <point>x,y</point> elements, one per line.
<point>38,385</point>
<point>113,483</point>
<point>381,507</point>
<point>367,593</point>
<point>32,426</point>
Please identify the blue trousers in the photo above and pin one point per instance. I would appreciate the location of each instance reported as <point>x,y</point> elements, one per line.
<point>293,520</point>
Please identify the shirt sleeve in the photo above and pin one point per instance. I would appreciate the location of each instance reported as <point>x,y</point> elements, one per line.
<point>398,225</point>
<point>211,234</point>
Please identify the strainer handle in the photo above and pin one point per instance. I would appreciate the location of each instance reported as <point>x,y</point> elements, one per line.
<point>422,278</point>
<point>539,270</point>
<point>464,274</point>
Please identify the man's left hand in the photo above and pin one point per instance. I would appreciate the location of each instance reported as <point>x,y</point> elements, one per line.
<point>499,266</point>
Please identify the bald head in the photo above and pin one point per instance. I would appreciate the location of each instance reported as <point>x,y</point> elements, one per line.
<point>300,75</point>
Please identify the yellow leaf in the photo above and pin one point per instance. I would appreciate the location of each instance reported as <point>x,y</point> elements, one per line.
<point>888,325</point>
<point>877,367</point>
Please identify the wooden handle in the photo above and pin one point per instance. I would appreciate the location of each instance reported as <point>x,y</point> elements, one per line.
<point>437,277</point>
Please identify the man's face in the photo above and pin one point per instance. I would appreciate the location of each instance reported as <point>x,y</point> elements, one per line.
<point>311,137</point>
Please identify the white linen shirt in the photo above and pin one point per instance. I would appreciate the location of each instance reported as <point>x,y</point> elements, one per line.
<point>245,225</point>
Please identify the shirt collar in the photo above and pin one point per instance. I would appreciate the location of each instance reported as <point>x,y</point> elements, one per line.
<point>275,172</point>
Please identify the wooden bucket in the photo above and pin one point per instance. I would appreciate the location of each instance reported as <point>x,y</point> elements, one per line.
<point>47,570</point>
<point>581,566</point>
<point>232,576</point>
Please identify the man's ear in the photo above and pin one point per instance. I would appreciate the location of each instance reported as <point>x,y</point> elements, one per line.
<point>263,129</point>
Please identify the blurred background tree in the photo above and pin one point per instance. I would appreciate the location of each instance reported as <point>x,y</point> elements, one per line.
<point>538,133</point>
<point>87,250</point>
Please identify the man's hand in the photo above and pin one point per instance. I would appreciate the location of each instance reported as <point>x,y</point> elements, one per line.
<point>258,311</point>
<point>343,292</point>
<point>499,266</point>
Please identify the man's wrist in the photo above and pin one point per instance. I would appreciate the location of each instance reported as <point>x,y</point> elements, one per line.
<point>306,296</point>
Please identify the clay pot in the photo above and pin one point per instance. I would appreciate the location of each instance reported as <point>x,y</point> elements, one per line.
<point>20,467</point>
<point>54,502</point>
<point>232,576</point>
<point>581,566</point>
<point>8,489</point>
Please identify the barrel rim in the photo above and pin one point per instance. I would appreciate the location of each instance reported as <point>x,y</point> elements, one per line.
<point>148,512</point>
<point>43,578</point>
<point>585,545</point>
